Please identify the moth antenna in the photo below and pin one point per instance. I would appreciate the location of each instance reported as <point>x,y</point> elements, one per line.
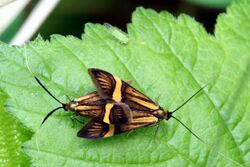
<point>188,100</point>
<point>40,83</point>
<point>50,113</point>
<point>188,129</point>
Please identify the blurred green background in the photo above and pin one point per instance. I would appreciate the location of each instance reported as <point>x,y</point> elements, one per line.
<point>69,16</point>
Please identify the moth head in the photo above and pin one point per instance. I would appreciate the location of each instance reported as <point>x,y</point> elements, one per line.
<point>64,106</point>
<point>169,115</point>
<point>161,114</point>
<point>71,106</point>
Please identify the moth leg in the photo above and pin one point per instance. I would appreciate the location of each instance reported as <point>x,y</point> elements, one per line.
<point>129,132</point>
<point>74,118</point>
<point>157,98</point>
<point>81,122</point>
<point>68,98</point>
<point>156,131</point>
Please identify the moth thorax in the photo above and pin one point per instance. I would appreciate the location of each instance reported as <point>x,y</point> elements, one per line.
<point>167,115</point>
<point>161,114</point>
<point>71,106</point>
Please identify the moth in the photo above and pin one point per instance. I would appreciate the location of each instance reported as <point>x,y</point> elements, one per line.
<point>93,106</point>
<point>144,111</point>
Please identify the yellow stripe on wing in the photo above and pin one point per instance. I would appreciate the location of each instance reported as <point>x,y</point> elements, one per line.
<point>91,96</point>
<point>111,131</point>
<point>85,107</point>
<point>117,94</point>
<point>107,112</point>
<point>144,103</point>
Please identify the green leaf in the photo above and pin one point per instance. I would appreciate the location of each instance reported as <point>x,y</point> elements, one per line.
<point>117,33</point>
<point>168,59</point>
<point>12,135</point>
<point>212,3</point>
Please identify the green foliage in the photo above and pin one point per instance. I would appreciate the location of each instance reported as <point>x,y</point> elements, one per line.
<point>212,3</point>
<point>168,59</point>
<point>12,135</point>
<point>117,33</point>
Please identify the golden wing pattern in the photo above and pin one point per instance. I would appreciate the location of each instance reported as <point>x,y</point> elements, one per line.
<point>93,106</point>
<point>113,88</point>
<point>96,129</point>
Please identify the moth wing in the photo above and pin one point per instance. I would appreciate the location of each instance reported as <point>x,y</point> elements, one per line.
<point>140,120</point>
<point>138,101</point>
<point>94,130</point>
<point>120,114</point>
<point>90,98</point>
<point>90,105</point>
<point>104,82</point>
<point>91,111</point>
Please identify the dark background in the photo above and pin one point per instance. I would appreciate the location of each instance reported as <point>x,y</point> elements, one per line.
<point>69,17</point>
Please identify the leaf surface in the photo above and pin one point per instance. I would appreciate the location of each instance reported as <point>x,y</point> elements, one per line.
<point>12,135</point>
<point>168,59</point>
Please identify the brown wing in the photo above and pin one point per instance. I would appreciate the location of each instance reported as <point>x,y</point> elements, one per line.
<point>120,114</point>
<point>98,109</point>
<point>90,105</point>
<point>117,114</point>
<point>140,120</point>
<point>94,130</point>
<point>111,87</point>
<point>91,98</point>
<point>104,82</point>
<point>137,100</point>
<point>93,111</point>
